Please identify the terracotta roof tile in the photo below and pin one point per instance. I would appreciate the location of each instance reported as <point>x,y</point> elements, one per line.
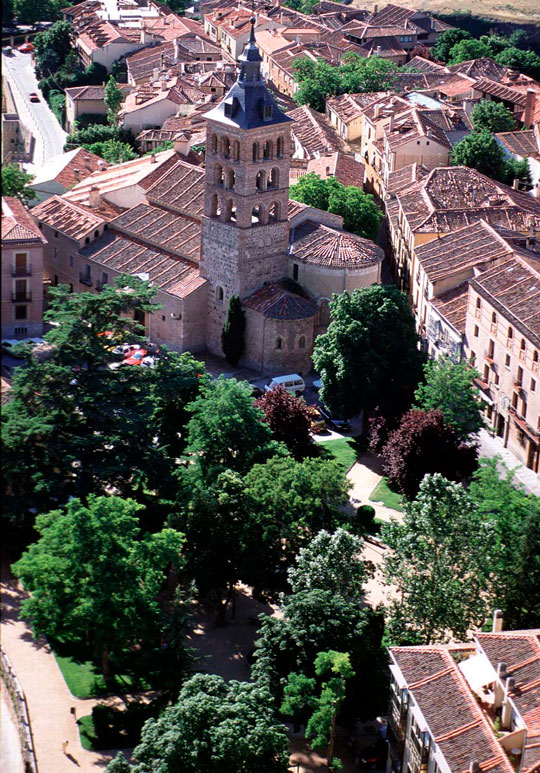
<point>180,188</point>
<point>453,304</point>
<point>320,245</point>
<point>68,218</point>
<point>312,132</point>
<point>157,227</point>
<point>340,165</point>
<point>276,301</point>
<point>521,143</point>
<point>18,224</point>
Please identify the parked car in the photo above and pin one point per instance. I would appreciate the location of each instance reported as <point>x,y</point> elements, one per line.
<point>26,48</point>
<point>136,357</point>
<point>317,422</point>
<point>334,420</point>
<point>125,349</point>
<point>293,383</point>
<point>317,384</point>
<point>149,362</point>
<point>34,97</point>
<point>10,345</point>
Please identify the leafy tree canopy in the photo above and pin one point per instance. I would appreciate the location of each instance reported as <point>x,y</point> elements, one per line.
<point>492,116</point>
<point>439,564</point>
<point>289,419</point>
<point>15,183</point>
<point>369,354</point>
<point>84,553</point>
<point>215,727</point>
<point>361,215</point>
<point>446,41</point>
<point>468,49</point>
<point>113,151</point>
<point>113,99</point>
<point>424,444</point>
<point>449,388</point>
<point>53,47</point>
<point>98,133</point>
<point>319,80</point>
<point>527,62</point>
<point>480,150</point>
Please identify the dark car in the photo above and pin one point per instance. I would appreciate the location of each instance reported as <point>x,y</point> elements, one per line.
<point>335,420</point>
<point>257,392</point>
<point>33,97</point>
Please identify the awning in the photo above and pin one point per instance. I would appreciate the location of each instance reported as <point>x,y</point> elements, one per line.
<point>478,671</point>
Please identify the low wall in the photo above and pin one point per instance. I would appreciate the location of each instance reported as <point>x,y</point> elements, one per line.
<point>18,699</point>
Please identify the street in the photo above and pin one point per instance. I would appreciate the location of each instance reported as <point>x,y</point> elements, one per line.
<point>36,116</point>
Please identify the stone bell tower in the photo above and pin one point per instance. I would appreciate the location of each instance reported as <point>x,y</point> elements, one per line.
<point>245,228</point>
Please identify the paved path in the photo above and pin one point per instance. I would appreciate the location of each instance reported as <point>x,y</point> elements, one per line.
<point>364,475</point>
<point>493,446</point>
<point>36,116</point>
<point>49,700</point>
<point>11,760</point>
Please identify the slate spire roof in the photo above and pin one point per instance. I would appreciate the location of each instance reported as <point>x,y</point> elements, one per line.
<point>249,104</point>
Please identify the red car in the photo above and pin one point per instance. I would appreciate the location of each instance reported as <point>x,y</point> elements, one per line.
<point>136,358</point>
<point>26,48</point>
<point>33,97</point>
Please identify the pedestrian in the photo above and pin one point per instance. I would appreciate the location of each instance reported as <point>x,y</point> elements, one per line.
<point>65,746</point>
<point>73,710</point>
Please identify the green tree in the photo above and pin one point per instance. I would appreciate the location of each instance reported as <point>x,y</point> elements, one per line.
<point>492,116</point>
<point>28,12</point>
<point>331,561</point>
<point>226,430</point>
<point>53,47</point>
<point>316,81</point>
<point>480,150</point>
<point>113,99</point>
<point>515,518</point>
<point>446,41</point>
<point>359,74</point>
<point>322,723</point>
<point>232,336</point>
<point>369,354</point>
<point>526,61</point>
<point>93,577</point>
<point>214,727</point>
<point>468,49</point>
<point>361,215</point>
<point>98,133</point>
<point>449,388</point>
<point>439,563</point>
<point>113,151</point>
<point>15,183</point>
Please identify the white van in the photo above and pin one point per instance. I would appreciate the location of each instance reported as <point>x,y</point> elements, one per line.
<point>293,383</point>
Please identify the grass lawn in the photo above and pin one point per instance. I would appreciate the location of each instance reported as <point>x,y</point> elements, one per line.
<point>84,679</point>
<point>343,449</point>
<point>385,495</point>
<point>87,733</point>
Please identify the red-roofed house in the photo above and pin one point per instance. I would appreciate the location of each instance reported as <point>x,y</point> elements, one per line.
<point>22,272</point>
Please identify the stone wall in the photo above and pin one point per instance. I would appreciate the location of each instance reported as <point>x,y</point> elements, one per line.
<point>261,352</point>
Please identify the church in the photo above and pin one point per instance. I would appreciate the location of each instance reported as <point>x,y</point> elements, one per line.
<point>204,234</point>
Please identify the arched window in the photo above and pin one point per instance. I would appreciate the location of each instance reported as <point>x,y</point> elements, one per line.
<point>260,180</point>
<point>214,143</point>
<point>225,147</point>
<point>230,177</point>
<point>257,215</point>
<point>255,152</point>
<point>510,334</point>
<point>280,147</point>
<point>214,206</point>
<point>219,174</point>
<point>279,343</point>
<point>87,240</point>
<point>494,318</point>
<point>230,211</point>
<point>219,293</point>
<point>267,150</point>
<point>302,342</point>
<point>275,210</point>
<point>522,345</point>
<point>478,303</point>
<point>96,234</point>
<point>274,179</point>
<point>236,151</point>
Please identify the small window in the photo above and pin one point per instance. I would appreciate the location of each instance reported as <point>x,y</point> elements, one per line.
<point>478,303</point>
<point>494,318</point>
<point>522,345</point>
<point>104,279</point>
<point>219,293</point>
<point>228,109</point>
<point>533,385</point>
<point>302,342</point>
<point>55,252</point>
<point>279,343</point>
<point>267,112</point>
<point>535,356</point>
<point>87,240</point>
<point>295,272</point>
<point>20,312</point>
<point>510,333</point>
<point>21,331</point>
<point>476,331</point>
<point>507,361</point>
<point>56,234</point>
<point>70,288</point>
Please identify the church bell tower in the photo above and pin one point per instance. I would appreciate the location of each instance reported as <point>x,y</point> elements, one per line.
<point>245,227</point>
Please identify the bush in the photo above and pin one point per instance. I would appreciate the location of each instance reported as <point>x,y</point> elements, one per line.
<point>57,103</point>
<point>90,119</point>
<point>365,516</point>
<point>99,133</point>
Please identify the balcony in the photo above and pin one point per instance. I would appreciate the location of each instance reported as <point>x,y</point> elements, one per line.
<point>24,297</point>
<point>21,270</point>
<point>489,355</point>
<point>85,279</point>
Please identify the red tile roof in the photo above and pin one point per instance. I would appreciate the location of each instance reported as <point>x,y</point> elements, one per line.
<point>277,301</point>
<point>68,218</point>
<point>320,245</point>
<point>180,188</point>
<point>340,165</point>
<point>18,224</point>
<point>165,230</point>
<point>312,132</point>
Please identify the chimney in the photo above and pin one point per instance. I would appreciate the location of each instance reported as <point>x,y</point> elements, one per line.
<point>391,123</point>
<point>515,183</point>
<point>375,8</point>
<point>153,158</point>
<point>531,235</point>
<point>101,165</point>
<point>155,74</point>
<point>474,767</point>
<point>497,624</point>
<point>378,51</point>
<point>77,173</point>
<point>528,113</point>
<point>182,143</point>
<point>376,111</point>
<point>94,197</point>
<point>506,714</point>
<point>498,690</point>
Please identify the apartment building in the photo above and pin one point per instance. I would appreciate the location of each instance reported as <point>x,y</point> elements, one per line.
<point>22,272</point>
<point>466,707</point>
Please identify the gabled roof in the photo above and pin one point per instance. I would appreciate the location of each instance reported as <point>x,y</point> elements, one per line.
<point>351,106</point>
<point>479,68</point>
<point>501,91</point>
<point>73,220</point>
<point>520,143</point>
<point>168,231</point>
<point>180,188</point>
<point>452,305</point>
<point>277,300</point>
<point>69,169</point>
<point>412,125</point>
<point>342,166</point>
<point>320,245</point>
<point>312,132</point>
<point>18,224</point>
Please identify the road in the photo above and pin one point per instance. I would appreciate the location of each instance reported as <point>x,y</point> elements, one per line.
<point>36,116</point>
